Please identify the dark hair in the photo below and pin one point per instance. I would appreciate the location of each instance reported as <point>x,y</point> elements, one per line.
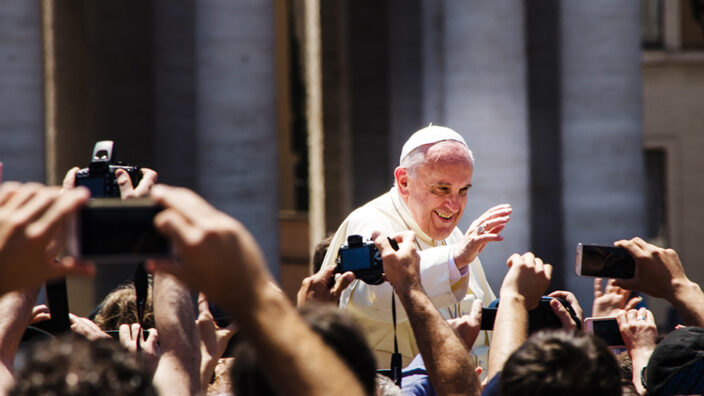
<point>74,366</point>
<point>338,330</point>
<point>561,363</point>
<point>319,253</point>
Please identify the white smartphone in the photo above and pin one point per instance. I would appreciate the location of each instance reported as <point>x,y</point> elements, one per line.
<point>605,328</point>
<point>604,261</point>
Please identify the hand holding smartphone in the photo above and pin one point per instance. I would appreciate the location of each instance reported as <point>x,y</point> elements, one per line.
<point>607,329</point>
<point>604,262</point>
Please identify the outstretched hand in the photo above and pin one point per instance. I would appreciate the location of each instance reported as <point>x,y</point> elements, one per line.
<point>315,287</point>
<point>613,299</point>
<point>486,228</point>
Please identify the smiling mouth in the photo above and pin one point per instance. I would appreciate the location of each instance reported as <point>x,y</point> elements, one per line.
<point>444,216</point>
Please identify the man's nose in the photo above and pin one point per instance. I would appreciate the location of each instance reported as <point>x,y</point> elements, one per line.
<point>453,203</point>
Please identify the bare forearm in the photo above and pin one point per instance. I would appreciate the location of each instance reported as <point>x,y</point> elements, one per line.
<point>639,359</point>
<point>510,331</point>
<point>688,300</point>
<point>449,366</point>
<point>179,366</point>
<point>286,354</point>
<point>15,314</point>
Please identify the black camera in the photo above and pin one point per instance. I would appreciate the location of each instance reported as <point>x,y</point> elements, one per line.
<point>542,317</point>
<point>362,258</point>
<point>99,177</point>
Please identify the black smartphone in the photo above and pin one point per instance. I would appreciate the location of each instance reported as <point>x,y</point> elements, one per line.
<point>110,230</point>
<point>607,329</point>
<point>604,261</point>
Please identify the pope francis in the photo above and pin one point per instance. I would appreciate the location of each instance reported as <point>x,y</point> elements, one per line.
<point>428,197</point>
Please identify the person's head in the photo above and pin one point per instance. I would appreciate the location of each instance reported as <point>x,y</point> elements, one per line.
<point>74,366</point>
<point>338,330</point>
<point>676,366</point>
<point>120,307</point>
<point>561,363</point>
<point>433,178</point>
<point>319,253</point>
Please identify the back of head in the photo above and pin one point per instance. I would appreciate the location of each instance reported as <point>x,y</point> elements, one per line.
<point>338,330</point>
<point>676,366</point>
<point>120,307</point>
<point>74,366</point>
<point>561,363</point>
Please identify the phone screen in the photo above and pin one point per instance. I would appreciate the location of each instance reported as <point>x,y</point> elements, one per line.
<point>608,331</point>
<point>605,261</point>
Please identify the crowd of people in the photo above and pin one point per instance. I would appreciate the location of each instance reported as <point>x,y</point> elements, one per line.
<point>345,337</point>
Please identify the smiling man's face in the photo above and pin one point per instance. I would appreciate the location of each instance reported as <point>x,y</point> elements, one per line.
<point>436,192</point>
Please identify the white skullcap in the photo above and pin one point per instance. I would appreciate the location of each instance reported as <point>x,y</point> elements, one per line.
<point>428,135</point>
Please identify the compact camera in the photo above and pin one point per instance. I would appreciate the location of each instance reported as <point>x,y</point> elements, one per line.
<point>99,177</point>
<point>362,258</point>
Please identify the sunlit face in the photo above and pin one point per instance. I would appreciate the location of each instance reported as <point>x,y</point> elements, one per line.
<point>436,192</point>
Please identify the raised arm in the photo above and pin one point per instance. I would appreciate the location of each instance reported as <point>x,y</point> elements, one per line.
<point>220,258</point>
<point>660,273</point>
<point>178,371</point>
<point>450,368</point>
<point>15,316</point>
<point>33,221</point>
<point>526,281</point>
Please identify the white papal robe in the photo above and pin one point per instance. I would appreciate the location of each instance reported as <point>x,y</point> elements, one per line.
<point>371,304</point>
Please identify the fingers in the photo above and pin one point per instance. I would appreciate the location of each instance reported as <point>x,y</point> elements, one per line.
<point>125,183</point>
<point>69,266</point>
<point>475,313</point>
<point>633,302</point>
<point>598,288</point>
<point>70,178</point>
<point>562,314</point>
<point>203,306</point>
<point>186,202</point>
<point>126,335</point>
<point>64,206</point>
<point>176,227</point>
<point>341,283</point>
<point>153,337</point>
<point>145,185</point>
<point>40,313</point>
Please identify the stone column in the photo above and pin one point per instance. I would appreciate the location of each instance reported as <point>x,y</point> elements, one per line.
<point>235,115</point>
<point>21,93</point>
<point>484,88</point>
<point>603,188</point>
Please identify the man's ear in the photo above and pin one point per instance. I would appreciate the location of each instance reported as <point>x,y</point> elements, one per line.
<point>401,175</point>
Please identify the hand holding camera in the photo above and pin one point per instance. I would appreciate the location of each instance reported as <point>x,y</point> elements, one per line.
<point>527,279</point>
<point>401,260</point>
<point>107,178</point>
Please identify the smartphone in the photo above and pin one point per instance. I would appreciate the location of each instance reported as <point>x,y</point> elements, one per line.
<point>607,329</point>
<point>604,261</point>
<point>110,230</point>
